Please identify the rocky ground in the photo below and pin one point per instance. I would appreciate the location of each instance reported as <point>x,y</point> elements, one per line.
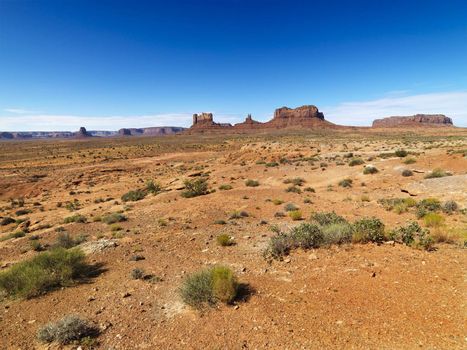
<point>387,296</point>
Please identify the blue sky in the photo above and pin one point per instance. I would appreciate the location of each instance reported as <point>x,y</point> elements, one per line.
<point>110,64</point>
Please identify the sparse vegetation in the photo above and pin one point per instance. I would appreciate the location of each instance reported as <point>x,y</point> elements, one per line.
<point>345,183</point>
<point>225,187</point>
<point>401,153</point>
<point>251,183</point>
<point>113,218</point>
<point>370,169</point>
<point>69,329</point>
<point>75,218</point>
<point>407,172</point>
<point>44,272</point>
<point>195,188</point>
<point>295,215</point>
<point>224,240</point>
<point>368,230</point>
<point>436,173</point>
<point>209,286</point>
<point>133,196</point>
<point>433,220</point>
<point>356,161</point>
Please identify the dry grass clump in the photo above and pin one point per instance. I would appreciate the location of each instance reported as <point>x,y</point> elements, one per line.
<point>69,329</point>
<point>224,240</point>
<point>209,286</point>
<point>436,173</point>
<point>44,272</point>
<point>251,183</point>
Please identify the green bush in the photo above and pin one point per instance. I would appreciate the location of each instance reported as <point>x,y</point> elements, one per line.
<point>195,188</point>
<point>324,219</point>
<point>297,181</point>
<point>69,329</point>
<point>290,207</point>
<point>295,215</point>
<point>306,236</point>
<point>238,214</point>
<point>309,189</point>
<point>401,153</point>
<point>153,187</point>
<point>251,183</point>
<point>133,196</point>
<point>224,240</point>
<point>113,218</point>
<point>433,220</point>
<point>412,235</point>
<point>368,230</point>
<point>225,187</point>
<point>369,169</point>
<point>64,240</point>
<point>293,189</point>
<point>450,207</point>
<point>345,183</point>
<point>44,272</point>
<point>209,286</point>
<point>436,173</point>
<point>337,233</point>
<point>356,161</point>
<point>75,218</point>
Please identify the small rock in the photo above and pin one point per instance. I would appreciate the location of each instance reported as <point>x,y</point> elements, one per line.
<point>126,294</point>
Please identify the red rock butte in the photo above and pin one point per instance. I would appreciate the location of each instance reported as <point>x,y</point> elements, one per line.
<point>305,116</point>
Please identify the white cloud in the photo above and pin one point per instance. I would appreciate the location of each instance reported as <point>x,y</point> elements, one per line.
<point>452,104</point>
<point>20,111</point>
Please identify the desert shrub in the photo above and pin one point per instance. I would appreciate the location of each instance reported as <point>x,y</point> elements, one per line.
<point>368,230</point>
<point>433,219</point>
<point>224,240</point>
<point>410,161</point>
<point>137,274</point>
<point>295,215</point>
<point>113,218</point>
<point>153,187</point>
<point>309,189</point>
<point>297,181</point>
<point>277,201</point>
<point>75,218</point>
<point>238,214</point>
<point>251,183</point>
<point>290,207</point>
<point>293,189</point>
<point>436,173</point>
<point>69,329</point>
<point>365,198</point>
<point>370,169</point>
<point>327,218</point>
<point>133,196</point>
<point>407,172</point>
<point>279,214</point>
<point>23,212</point>
<point>400,208</point>
<point>399,205</point>
<point>72,206</point>
<point>306,236</point>
<point>6,221</point>
<point>345,183</point>
<point>450,206</point>
<point>220,222</point>
<point>64,240</point>
<point>271,164</point>
<point>16,234</point>
<point>279,246</point>
<point>307,201</point>
<point>337,233</point>
<point>224,284</point>
<point>225,187</point>
<point>430,204</point>
<point>195,188</point>
<point>209,286</point>
<point>356,161</point>
<point>36,246</point>
<point>401,153</point>
<point>44,272</point>
<point>406,234</point>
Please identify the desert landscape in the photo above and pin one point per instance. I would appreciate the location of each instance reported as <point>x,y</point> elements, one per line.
<point>337,238</point>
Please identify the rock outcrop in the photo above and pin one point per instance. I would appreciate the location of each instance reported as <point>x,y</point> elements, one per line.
<point>82,133</point>
<point>414,120</point>
<point>205,121</point>
<point>301,117</point>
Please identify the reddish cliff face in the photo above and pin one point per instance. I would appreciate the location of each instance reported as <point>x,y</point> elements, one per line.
<point>304,116</point>
<point>415,120</point>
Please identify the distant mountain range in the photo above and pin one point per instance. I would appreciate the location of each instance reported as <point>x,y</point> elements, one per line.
<point>151,131</point>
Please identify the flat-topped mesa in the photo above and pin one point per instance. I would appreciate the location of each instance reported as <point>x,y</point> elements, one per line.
<point>303,112</point>
<point>414,120</point>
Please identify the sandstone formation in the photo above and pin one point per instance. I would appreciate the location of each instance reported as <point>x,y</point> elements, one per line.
<point>415,120</point>
<point>305,116</point>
